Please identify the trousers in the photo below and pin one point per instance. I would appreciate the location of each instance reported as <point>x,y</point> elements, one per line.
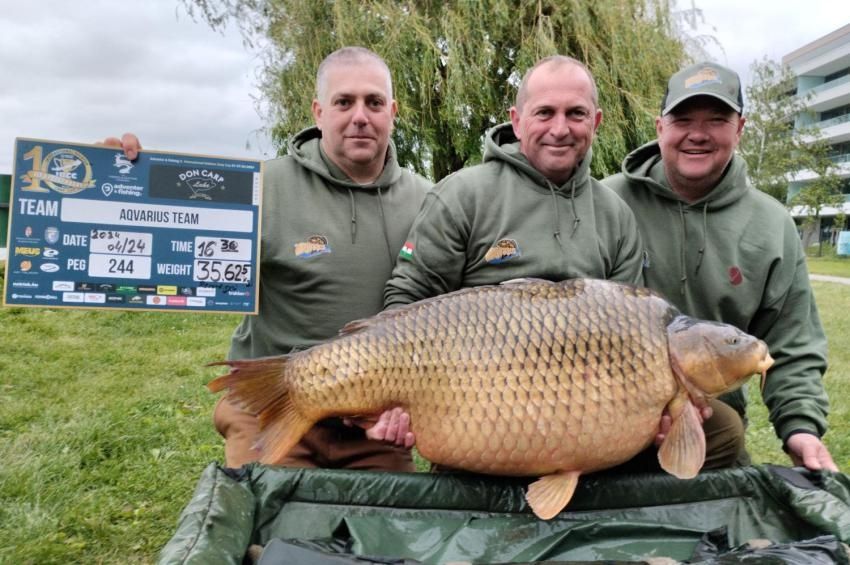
<point>328,445</point>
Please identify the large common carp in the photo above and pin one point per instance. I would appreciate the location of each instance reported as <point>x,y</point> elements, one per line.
<point>525,378</point>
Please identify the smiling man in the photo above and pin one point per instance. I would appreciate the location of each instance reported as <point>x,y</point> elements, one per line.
<point>531,208</point>
<point>721,250</point>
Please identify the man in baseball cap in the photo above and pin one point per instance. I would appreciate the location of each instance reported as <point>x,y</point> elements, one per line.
<point>721,250</point>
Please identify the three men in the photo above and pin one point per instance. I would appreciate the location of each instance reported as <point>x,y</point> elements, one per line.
<point>721,250</point>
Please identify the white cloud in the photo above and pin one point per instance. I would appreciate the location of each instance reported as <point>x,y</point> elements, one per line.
<point>84,71</point>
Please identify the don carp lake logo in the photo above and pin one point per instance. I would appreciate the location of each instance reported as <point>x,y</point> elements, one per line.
<point>503,250</point>
<point>200,182</point>
<point>66,171</point>
<point>315,245</point>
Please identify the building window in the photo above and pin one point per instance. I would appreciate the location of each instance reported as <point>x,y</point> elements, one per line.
<point>835,112</point>
<point>836,75</point>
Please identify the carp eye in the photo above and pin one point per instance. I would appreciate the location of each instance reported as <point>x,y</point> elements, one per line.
<point>732,341</point>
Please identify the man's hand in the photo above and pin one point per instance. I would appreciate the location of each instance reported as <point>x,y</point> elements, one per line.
<point>666,422</point>
<point>128,142</point>
<point>809,451</point>
<point>393,426</point>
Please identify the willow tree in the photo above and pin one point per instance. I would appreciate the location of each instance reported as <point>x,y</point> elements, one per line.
<point>456,65</point>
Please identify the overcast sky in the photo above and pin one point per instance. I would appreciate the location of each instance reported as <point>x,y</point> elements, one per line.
<point>84,70</point>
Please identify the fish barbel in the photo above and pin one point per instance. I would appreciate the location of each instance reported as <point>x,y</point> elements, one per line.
<point>528,378</point>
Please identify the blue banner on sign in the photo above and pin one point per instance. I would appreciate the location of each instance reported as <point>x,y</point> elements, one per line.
<point>90,228</point>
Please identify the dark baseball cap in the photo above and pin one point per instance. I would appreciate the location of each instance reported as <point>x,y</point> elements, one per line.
<point>703,79</point>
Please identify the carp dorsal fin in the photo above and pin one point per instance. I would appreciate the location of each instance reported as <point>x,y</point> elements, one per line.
<point>525,280</point>
<point>549,494</point>
<point>402,310</point>
<point>682,453</point>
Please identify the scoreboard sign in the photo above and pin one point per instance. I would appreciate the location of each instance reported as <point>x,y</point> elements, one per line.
<point>90,228</point>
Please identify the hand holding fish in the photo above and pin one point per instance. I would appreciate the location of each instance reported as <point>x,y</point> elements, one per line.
<point>666,422</point>
<point>392,426</point>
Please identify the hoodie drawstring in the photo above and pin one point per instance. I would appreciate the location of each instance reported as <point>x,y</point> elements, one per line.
<point>557,218</point>
<point>684,247</point>
<point>383,222</point>
<point>353,216</point>
<point>556,232</point>
<point>384,227</point>
<point>682,265</point>
<point>704,231</point>
<point>576,219</point>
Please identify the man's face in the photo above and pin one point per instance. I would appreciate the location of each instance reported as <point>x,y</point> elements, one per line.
<point>557,121</point>
<point>697,140</point>
<point>356,116</point>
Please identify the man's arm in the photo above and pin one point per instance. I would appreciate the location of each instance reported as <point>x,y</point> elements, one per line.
<point>433,259</point>
<point>788,322</point>
<point>630,257</point>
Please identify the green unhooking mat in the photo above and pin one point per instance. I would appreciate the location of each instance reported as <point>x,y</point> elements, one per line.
<point>754,515</point>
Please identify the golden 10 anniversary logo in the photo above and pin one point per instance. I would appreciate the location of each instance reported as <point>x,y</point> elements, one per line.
<point>66,171</point>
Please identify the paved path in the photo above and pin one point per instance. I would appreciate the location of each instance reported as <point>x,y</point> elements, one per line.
<point>828,278</point>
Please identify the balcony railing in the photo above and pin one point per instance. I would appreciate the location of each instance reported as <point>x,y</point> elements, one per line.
<point>827,85</point>
<point>833,121</point>
<point>841,158</point>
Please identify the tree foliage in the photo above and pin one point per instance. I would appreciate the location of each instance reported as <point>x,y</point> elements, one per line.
<point>772,147</point>
<point>821,192</point>
<point>456,65</point>
<point>776,151</point>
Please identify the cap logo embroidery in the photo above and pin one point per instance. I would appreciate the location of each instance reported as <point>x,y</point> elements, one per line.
<point>315,245</point>
<point>503,250</point>
<point>703,77</point>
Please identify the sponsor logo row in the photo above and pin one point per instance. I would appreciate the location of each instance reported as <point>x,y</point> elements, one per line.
<point>106,288</point>
<point>102,298</point>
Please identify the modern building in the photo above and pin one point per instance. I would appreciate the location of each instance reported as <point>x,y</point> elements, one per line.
<point>822,68</point>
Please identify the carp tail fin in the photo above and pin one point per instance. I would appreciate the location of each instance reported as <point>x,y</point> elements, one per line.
<point>682,453</point>
<point>260,388</point>
<point>549,494</point>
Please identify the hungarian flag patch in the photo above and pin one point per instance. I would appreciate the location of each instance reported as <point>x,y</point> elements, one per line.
<point>406,251</point>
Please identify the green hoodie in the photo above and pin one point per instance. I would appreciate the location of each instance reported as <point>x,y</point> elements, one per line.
<point>734,256</point>
<point>503,220</point>
<point>328,246</point>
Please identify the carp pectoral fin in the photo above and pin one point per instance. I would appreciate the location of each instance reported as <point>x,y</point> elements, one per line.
<point>280,432</point>
<point>549,495</point>
<point>682,452</point>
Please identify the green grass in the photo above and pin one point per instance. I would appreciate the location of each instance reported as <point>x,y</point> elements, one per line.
<point>833,304</point>
<point>105,426</point>
<point>834,266</point>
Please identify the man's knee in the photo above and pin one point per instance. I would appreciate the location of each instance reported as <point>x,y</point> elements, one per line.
<point>724,437</point>
<point>239,430</point>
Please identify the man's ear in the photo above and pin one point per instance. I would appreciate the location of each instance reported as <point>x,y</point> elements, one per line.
<point>316,109</point>
<point>515,121</point>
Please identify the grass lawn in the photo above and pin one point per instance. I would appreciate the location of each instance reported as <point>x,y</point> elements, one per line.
<point>834,266</point>
<point>105,426</point>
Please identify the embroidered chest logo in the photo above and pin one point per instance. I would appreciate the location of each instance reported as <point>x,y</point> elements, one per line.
<point>736,277</point>
<point>315,245</point>
<point>503,250</point>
